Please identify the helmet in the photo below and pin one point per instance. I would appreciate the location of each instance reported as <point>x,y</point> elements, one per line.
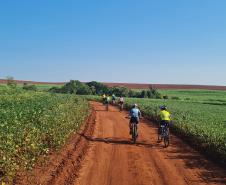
<point>163,107</point>
<point>135,105</point>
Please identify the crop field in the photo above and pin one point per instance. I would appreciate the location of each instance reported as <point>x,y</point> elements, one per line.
<point>216,96</point>
<point>46,86</point>
<point>33,124</point>
<point>195,95</point>
<point>202,123</point>
<point>40,87</point>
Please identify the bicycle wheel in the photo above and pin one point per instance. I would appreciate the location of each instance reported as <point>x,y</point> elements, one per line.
<point>120,107</point>
<point>166,138</point>
<point>159,134</point>
<point>134,133</point>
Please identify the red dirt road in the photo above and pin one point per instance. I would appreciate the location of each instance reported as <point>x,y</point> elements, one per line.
<point>113,160</point>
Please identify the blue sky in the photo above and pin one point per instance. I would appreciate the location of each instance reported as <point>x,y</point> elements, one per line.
<point>146,41</point>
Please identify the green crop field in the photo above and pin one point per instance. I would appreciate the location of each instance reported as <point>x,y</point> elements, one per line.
<point>216,96</point>
<point>46,86</point>
<point>197,95</point>
<point>32,124</point>
<point>204,124</point>
<point>40,87</point>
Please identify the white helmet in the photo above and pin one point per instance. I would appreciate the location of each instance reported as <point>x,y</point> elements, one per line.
<point>135,105</point>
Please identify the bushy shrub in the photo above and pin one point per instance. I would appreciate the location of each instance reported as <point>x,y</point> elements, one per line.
<point>29,87</point>
<point>175,98</point>
<point>97,88</point>
<point>165,97</point>
<point>11,82</point>
<point>73,87</point>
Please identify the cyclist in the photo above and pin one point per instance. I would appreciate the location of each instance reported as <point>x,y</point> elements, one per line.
<point>121,102</point>
<point>104,98</point>
<point>165,118</point>
<point>135,115</point>
<point>113,99</point>
<point>107,100</point>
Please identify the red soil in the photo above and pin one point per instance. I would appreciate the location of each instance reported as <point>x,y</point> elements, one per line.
<point>165,86</point>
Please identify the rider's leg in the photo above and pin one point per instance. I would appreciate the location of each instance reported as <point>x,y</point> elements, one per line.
<point>162,123</point>
<point>137,122</point>
<point>159,128</point>
<point>167,126</point>
<point>130,126</point>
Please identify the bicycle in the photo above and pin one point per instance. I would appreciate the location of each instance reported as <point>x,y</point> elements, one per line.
<point>107,106</point>
<point>113,102</point>
<point>134,131</point>
<point>164,134</point>
<point>120,106</point>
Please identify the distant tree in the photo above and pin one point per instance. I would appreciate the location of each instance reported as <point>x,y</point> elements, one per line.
<point>131,93</point>
<point>93,90</point>
<point>83,89</point>
<point>55,90</point>
<point>154,93</point>
<point>70,87</point>
<point>144,94</point>
<point>99,87</point>
<point>11,82</point>
<point>165,97</point>
<point>29,87</point>
<point>73,87</point>
<point>175,98</point>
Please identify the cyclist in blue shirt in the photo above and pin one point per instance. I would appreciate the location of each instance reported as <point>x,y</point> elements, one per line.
<point>113,99</point>
<point>135,116</point>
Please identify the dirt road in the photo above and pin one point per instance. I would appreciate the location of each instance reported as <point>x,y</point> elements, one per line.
<point>113,160</point>
<point>103,154</point>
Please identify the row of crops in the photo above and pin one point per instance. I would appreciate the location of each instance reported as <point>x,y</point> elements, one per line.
<point>213,96</point>
<point>202,123</point>
<point>33,124</point>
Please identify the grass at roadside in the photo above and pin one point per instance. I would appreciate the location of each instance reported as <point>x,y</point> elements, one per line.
<point>32,124</point>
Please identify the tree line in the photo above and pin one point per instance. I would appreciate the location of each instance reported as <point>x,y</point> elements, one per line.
<point>93,88</point>
<point>97,88</point>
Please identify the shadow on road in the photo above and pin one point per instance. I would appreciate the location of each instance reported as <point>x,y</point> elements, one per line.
<point>100,110</point>
<point>113,140</point>
<point>193,160</point>
<point>103,110</point>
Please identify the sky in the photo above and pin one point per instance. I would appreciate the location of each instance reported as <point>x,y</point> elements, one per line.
<point>145,41</point>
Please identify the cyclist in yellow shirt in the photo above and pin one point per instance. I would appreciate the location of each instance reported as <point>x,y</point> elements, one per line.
<point>165,117</point>
<point>104,98</point>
